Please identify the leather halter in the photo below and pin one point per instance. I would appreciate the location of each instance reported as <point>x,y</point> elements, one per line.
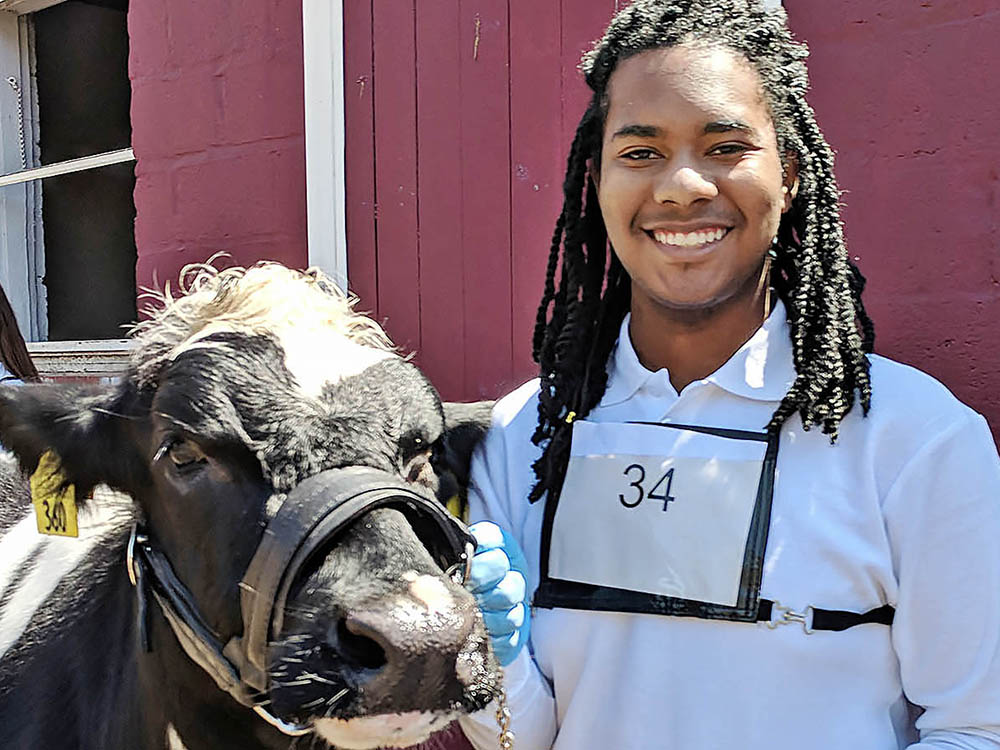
<point>310,516</point>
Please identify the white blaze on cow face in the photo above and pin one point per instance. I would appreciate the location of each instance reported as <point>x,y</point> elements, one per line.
<point>384,730</point>
<point>317,356</point>
<point>324,340</point>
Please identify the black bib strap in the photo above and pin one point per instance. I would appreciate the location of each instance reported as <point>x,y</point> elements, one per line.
<point>822,619</point>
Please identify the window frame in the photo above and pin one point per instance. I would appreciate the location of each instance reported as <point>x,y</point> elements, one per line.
<point>21,239</point>
<point>22,252</point>
<point>326,203</point>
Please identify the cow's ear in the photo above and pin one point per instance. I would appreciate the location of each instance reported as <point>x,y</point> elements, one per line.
<point>465,425</point>
<point>90,429</point>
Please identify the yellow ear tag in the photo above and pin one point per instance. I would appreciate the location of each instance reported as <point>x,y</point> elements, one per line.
<point>55,505</point>
<point>454,506</point>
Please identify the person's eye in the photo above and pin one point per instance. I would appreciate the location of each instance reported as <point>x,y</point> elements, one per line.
<point>639,154</point>
<point>729,149</point>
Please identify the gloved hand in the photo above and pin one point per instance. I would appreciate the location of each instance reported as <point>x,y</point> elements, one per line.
<point>498,584</point>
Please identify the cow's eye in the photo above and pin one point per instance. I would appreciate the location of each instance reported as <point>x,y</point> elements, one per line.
<point>185,453</point>
<point>412,446</point>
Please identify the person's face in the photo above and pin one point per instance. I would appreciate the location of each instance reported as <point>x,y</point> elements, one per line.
<point>690,180</point>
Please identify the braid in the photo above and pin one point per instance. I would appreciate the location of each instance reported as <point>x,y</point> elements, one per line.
<point>579,319</point>
<point>13,352</point>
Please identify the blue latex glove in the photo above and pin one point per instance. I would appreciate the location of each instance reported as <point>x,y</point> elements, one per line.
<point>498,584</point>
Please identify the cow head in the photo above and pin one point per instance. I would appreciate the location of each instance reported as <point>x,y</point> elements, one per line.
<point>238,392</point>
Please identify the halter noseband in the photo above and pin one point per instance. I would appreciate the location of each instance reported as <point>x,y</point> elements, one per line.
<point>310,516</point>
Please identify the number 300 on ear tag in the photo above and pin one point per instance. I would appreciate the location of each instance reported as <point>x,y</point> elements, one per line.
<point>54,501</point>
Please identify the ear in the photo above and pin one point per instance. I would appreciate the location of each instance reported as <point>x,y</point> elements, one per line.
<point>89,428</point>
<point>790,181</point>
<point>465,425</point>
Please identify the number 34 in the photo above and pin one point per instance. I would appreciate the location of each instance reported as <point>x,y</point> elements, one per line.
<point>639,471</point>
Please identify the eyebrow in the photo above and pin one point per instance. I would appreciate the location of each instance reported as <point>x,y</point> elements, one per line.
<point>651,131</point>
<point>639,131</point>
<point>725,126</point>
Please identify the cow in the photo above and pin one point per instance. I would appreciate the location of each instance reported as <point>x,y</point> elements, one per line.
<point>261,557</point>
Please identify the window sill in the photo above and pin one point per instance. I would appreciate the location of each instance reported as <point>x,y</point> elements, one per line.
<point>81,360</point>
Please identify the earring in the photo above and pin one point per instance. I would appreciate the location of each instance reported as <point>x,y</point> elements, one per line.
<point>767,287</point>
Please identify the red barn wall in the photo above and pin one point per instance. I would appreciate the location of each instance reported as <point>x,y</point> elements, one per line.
<point>218,132</point>
<point>906,93</point>
<point>459,117</point>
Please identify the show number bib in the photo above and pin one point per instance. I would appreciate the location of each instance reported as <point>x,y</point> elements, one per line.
<point>667,519</point>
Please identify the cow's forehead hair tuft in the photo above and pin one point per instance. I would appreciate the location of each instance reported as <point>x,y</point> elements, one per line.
<point>265,298</point>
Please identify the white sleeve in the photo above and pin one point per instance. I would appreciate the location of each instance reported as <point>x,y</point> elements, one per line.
<point>529,695</point>
<point>943,521</point>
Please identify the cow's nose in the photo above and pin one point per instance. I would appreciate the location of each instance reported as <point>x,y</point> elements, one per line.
<point>359,644</point>
<point>395,652</point>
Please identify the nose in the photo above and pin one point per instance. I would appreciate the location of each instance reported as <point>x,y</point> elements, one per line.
<point>402,655</point>
<point>684,184</point>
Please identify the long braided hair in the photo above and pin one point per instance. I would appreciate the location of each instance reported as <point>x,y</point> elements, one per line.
<point>13,352</point>
<point>580,315</point>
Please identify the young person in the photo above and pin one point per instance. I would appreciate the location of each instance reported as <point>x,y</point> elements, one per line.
<point>740,528</point>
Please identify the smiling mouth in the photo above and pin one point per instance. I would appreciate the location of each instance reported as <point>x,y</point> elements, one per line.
<point>693,240</point>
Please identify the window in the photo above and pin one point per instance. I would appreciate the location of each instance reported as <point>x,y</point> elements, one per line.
<point>67,248</point>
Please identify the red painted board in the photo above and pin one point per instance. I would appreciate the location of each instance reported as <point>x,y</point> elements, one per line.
<point>537,162</point>
<point>396,170</point>
<point>485,199</point>
<point>439,136</point>
<point>218,126</point>
<point>359,154</point>
<point>921,188</point>
<point>582,24</point>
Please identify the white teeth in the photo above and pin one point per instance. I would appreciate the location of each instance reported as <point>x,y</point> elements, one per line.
<point>693,239</point>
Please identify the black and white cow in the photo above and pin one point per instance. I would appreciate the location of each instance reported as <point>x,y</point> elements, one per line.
<point>253,385</point>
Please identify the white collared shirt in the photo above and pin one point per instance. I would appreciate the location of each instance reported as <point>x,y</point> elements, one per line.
<point>903,510</point>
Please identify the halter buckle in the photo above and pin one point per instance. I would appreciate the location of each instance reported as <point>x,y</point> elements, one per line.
<point>460,571</point>
<point>782,615</point>
<point>134,537</point>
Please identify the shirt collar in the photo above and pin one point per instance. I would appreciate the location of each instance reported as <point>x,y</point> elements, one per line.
<point>762,369</point>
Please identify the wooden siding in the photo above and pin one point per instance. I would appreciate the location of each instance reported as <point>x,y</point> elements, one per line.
<point>218,129</point>
<point>459,116</point>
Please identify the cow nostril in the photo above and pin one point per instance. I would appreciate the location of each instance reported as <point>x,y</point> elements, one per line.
<point>359,648</point>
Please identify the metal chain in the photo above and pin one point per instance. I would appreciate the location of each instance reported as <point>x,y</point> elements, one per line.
<point>503,721</point>
<point>20,120</point>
